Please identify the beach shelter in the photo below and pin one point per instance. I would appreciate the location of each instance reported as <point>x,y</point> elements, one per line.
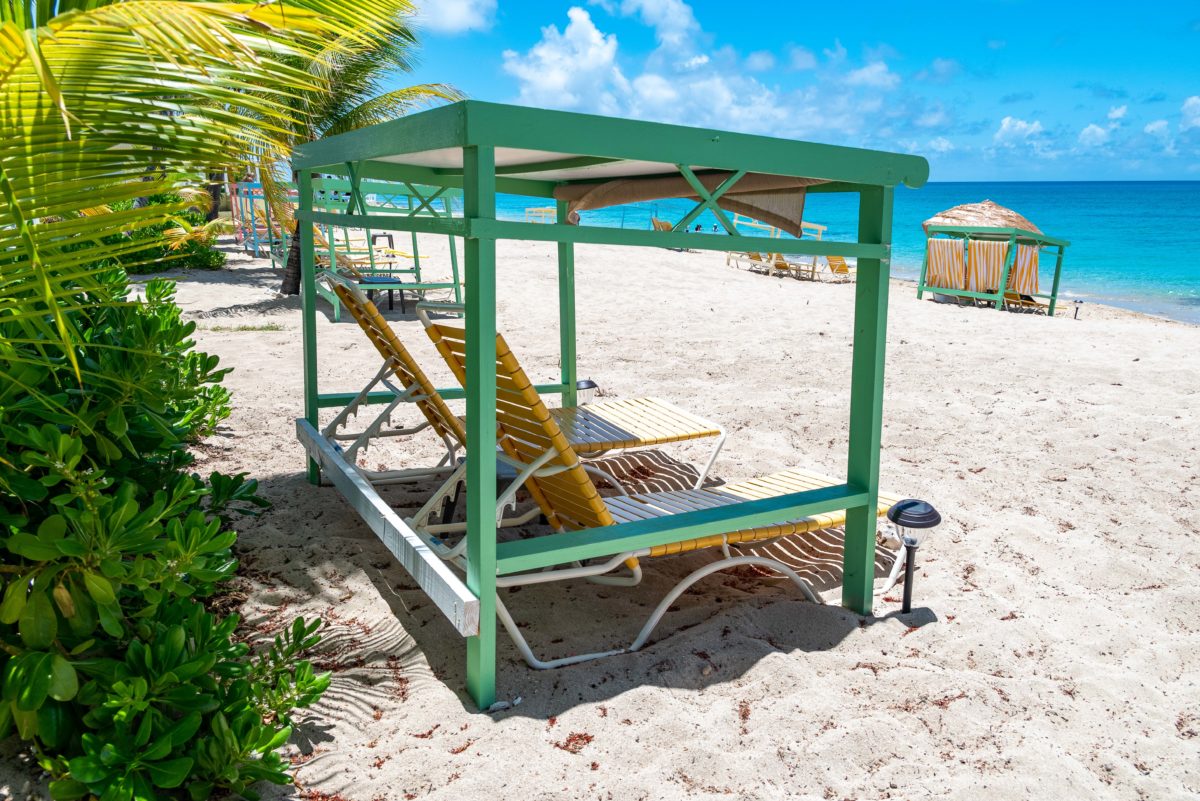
<point>987,252</point>
<point>580,162</point>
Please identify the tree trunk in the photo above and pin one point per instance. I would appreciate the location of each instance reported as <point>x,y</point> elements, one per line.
<point>215,186</point>
<point>291,270</point>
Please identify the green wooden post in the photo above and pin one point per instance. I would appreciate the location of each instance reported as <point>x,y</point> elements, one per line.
<point>924,271</point>
<point>479,184</point>
<point>866,399</point>
<point>449,209</point>
<point>308,304</point>
<point>566,313</point>
<point>1057,275</point>
<point>1009,259</point>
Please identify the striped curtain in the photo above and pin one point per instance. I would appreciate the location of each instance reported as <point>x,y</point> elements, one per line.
<point>944,263</point>
<point>1023,278</point>
<point>985,265</point>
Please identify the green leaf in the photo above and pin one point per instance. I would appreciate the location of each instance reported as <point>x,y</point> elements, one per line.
<point>171,773</point>
<point>88,769</point>
<point>100,589</point>
<point>64,683</point>
<point>52,528</point>
<point>67,790</point>
<point>38,623</point>
<point>29,546</point>
<point>115,422</point>
<point>33,676</point>
<point>14,601</point>
<point>27,722</point>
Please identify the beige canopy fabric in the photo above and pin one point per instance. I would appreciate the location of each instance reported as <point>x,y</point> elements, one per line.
<point>987,213</point>
<point>777,200</point>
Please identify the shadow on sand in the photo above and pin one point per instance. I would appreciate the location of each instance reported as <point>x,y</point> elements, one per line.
<point>714,633</point>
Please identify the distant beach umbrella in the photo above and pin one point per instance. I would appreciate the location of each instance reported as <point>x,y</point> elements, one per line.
<point>987,214</point>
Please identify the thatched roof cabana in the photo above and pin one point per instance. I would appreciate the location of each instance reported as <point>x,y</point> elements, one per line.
<point>984,252</point>
<point>984,215</point>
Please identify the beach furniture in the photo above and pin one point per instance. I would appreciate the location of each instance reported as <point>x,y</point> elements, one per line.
<point>533,441</point>
<point>540,214</point>
<point>581,162</point>
<point>836,269</point>
<point>593,429</point>
<point>1003,258</point>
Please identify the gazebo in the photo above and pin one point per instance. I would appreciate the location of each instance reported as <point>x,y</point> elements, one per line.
<point>987,252</point>
<point>577,161</point>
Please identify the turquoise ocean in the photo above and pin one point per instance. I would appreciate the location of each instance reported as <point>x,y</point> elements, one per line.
<point>1133,244</point>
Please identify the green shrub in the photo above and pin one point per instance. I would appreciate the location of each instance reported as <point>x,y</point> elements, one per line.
<point>111,667</point>
<point>158,254</point>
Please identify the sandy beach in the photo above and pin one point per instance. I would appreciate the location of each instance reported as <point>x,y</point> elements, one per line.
<point>1054,647</point>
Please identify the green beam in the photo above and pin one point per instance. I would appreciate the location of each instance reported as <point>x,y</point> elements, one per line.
<point>1057,275</point>
<point>553,164</point>
<point>433,129</point>
<point>998,232</point>
<point>308,305</point>
<point>590,135</point>
<point>566,313</point>
<point>597,235</point>
<point>388,171</point>
<point>386,222</point>
<point>708,200</point>
<point>480,321</point>
<point>518,556</point>
<point>336,399</point>
<point>866,400</point>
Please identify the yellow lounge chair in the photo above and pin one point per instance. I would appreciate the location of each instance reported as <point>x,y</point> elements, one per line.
<point>592,429</point>
<point>558,481</point>
<point>837,269</point>
<point>751,260</point>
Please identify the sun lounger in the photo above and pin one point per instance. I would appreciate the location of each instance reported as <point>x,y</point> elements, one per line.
<point>591,429</point>
<point>837,269</point>
<point>551,471</point>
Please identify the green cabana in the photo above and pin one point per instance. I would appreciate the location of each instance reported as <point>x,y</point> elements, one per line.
<point>986,252</point>
<point>578,161</point>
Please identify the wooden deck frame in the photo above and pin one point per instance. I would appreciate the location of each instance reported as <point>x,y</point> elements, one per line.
<point>476,134</point>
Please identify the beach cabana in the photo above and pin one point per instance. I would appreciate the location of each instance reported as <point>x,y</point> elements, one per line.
<point>578,162</point>
<point>986,252</point>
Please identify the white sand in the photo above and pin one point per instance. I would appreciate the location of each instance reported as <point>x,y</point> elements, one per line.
<point>1057,643</point>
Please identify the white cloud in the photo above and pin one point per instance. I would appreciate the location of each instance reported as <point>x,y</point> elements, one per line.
<point>672,20</point>
<point>1013,130</point>
<point>876,75</point>
<point>940,71</point>
<point>1093,136</point>
<point>569,69</point>
<point>837,52</point>
<point>760,61</point>
<point>455,16</point>
<point>1117,112</point>
<point>1161,130</point>
<point>941,144</point>
<point>933,118</point>
<point>801,58</point>
<point>1190,113</point>
<point>694,62</point>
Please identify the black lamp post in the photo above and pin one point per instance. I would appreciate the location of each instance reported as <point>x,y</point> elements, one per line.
<point>913,520</point>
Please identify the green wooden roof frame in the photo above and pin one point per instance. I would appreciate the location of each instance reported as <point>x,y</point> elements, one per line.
<point>392,151</point>
<point>1015,236</point>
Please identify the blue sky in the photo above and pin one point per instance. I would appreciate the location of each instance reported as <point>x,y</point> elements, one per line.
<point>998,90</point>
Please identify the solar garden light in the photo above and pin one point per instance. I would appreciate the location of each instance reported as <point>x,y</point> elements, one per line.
<point>913,520</point>
<point>585,390</point>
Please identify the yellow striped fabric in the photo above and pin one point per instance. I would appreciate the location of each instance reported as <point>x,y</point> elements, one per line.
<point>1023,277</point>
<point>945,264</point>
<point>985,265</point>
